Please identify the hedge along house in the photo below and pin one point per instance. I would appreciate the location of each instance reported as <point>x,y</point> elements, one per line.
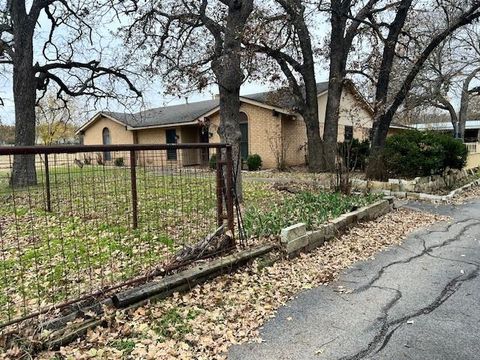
<point>270,127</point>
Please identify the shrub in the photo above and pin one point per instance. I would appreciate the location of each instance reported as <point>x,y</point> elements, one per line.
<point>455,152</point>
<point>414,153</point>
<point>358,152</point>
<point>254,162</point>
<point>212,163</point>
<point>119,162</point>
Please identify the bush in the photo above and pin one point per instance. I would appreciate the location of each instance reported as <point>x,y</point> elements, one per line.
<point>119,162</point>
<point>414,153</point>
<point>212,163</point>
<point>455,152</point>
<point>254,162</point>
<point>359,152</point>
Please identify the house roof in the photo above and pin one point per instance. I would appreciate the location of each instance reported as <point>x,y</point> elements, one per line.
<point>175,114</point>
<point>470,124</point>
<point>280,100</point>
<point>394,125</point>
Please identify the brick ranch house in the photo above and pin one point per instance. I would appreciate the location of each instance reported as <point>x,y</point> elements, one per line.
<point>270,128</point>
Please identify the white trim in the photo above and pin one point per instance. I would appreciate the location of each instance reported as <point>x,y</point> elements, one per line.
<point>95,118</point>
<point>208,113</point>
<point>171,125</point>
<point>322,93</point>
<point>269,107</point>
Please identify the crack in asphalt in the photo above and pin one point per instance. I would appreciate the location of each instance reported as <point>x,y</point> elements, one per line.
<point>382,338</point>
<point>425,251</point>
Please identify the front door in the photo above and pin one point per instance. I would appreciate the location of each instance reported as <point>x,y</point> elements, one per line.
<point>204,139</point>
<point>171,137</point>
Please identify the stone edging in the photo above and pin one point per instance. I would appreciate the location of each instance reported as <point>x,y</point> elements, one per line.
<point>435,198</point>
<point>295,239</point>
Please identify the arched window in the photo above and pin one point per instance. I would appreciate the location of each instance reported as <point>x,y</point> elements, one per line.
<point>243,120</point>
<point>107,140</point>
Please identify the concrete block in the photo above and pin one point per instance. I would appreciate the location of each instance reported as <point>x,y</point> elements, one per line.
<point>329,230</point>
<point>413,195</point>
<point>316,239</point>
<point>294,246</point>
<point>358,184</point>
<point>396,187</point>
<point>351,218</point>
<point>379,185</point>
<point>408,186</point>
<point>429,197</point>
<point>362,213</point>
<point>399,194</point>
<point>293,232</point>
<point>377,209</point>
<point>390,199</point>
<point>339,223</point>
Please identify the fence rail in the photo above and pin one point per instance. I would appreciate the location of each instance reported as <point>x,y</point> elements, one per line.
<point>472,148</point>
<point>95,218</point>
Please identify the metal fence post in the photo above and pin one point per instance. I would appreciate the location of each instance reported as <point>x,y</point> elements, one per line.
<point>219,188</point>
<point>230,190</point>
<point>47,185</point>
<point>133,181</point>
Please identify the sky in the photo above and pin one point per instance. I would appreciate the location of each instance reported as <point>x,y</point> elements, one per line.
<point>153,94</point>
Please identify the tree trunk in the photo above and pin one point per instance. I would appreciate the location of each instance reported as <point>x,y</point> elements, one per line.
<point>339,50</point>
<point>376,168</point>
<point>230,133</point>
<point>24,95</point>
<point>314,141</point>
<point>453,117</point>
<point>330,130</point>
<point>228,72</point>
<point>463,114</point>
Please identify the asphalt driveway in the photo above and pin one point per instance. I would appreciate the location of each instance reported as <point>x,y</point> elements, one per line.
<point>420,300</point>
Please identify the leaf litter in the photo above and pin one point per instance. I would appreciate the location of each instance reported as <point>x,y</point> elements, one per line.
<point>205,322</point>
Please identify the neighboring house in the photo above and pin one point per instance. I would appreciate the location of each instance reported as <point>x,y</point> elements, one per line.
<point>472,129</point>
<point>270,126</point>
<point>396,128</point>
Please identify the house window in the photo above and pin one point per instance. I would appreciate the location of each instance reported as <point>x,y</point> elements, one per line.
<point>348,133</point>
<point>244,139</point>
<point>171,137</point>
<point>107,140</point>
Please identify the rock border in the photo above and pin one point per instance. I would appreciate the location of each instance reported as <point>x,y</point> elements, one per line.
<point>434,198</point>
<point>294,240</point>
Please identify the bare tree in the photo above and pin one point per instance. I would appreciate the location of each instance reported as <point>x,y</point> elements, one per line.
<point>290,46</point>
<point>200,43</point>
<point>60,62</point>
<point>346,19</point>
<point>56,121</point>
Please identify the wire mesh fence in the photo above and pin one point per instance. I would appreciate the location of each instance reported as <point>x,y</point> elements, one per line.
<point>86,219</point>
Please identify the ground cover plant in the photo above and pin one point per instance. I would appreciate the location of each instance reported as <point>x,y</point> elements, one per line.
<point>313,209</point>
